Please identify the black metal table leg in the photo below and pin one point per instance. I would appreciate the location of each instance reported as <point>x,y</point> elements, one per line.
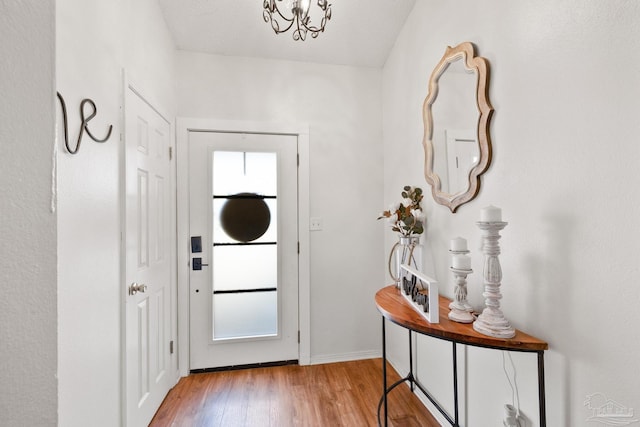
<point>411,383</point>
<point>541,398</point>
<point>455,384</point>
<point>384,373</point>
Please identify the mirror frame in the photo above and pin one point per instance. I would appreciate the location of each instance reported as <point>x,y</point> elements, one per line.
<point>480,66</point>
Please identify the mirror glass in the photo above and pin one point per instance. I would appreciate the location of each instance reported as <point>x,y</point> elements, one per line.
<point>456,116</point>
<point>455,120</point>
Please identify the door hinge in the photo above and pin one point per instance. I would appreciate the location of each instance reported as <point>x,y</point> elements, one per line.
<point>298,159</point>
<point>170,153</point>
<point>298,337</point>
<point>298,247</point>
<point>171,347</point>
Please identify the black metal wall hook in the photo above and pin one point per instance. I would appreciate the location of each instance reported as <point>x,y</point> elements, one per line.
<point>84,126</point>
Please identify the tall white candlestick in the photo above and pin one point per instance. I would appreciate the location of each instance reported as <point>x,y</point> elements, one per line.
<point>491,214</point>
<point>491,321</point>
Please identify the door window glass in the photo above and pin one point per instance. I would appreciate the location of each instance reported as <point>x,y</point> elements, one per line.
<point>245,247</point>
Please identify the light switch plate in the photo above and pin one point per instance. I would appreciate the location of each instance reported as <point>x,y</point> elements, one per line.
<point>315,223</point>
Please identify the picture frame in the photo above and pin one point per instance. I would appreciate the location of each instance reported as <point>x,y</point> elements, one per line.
<point>428,305</point>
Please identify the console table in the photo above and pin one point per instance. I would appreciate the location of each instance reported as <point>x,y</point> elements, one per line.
<point>395,308</point>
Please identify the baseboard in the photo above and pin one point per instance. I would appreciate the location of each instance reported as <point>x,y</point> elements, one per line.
<point>345,357</point>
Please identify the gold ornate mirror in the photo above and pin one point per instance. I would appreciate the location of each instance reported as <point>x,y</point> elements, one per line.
<point>456,115</point>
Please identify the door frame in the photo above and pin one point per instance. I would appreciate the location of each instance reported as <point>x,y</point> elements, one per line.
<point>184,125</point>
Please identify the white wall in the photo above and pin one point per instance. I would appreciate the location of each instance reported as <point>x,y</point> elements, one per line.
<point>342,107</point>
<point>565,88</point>
<point>95,41</point>
<point>28,311</point>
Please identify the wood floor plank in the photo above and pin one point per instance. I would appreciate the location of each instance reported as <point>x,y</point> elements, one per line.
<point>336,394</point>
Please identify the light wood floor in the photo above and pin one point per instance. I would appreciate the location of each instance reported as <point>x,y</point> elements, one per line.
<point>332,395</point>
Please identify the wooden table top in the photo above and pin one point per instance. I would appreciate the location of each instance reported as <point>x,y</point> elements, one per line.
<point>397,309</point>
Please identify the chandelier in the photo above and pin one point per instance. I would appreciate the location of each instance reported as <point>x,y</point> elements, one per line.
<point>296,16</point>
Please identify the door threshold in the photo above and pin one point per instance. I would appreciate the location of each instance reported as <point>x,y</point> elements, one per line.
<point>249,366</point>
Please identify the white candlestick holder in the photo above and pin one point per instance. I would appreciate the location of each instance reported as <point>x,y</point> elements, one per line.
<point>491,321</point>
<point>461,310</point>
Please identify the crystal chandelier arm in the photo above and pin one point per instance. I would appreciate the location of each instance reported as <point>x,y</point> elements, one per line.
<point>274,22</point>
<point>270,6</point>
<point>277,9</point>
<point>326,8</point>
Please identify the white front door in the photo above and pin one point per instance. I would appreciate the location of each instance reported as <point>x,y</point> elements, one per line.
<point>463,153</point>
<point>243,280</point>
<point>149,224</point>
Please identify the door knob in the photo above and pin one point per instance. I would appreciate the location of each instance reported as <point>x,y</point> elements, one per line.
<point>135,288</point>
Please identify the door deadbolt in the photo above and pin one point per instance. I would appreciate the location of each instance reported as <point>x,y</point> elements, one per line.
<point>135,288</point>
<point>197,264</point>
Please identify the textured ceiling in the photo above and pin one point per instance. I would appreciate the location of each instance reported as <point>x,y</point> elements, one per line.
<point>360,32</point>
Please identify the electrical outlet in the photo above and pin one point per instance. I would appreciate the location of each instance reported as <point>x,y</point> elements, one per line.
<point>315,223</point>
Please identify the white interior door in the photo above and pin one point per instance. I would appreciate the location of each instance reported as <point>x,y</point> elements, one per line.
<point>244,228</point>
<point>149,224</point>
<point>463,153</point>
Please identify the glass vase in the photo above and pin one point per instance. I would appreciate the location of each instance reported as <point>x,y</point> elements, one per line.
<point>402,253</point>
